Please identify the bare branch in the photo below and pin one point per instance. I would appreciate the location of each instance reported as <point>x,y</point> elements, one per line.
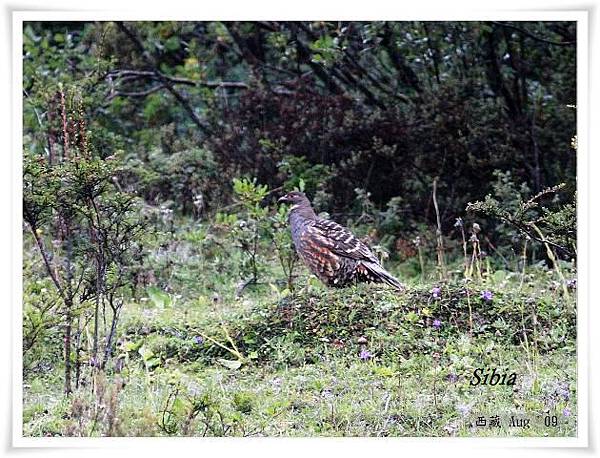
<point>145,93</point>
<point>49,267</point>
<point>531,35</point>
<point>156,75</point>
<point>165,81</point>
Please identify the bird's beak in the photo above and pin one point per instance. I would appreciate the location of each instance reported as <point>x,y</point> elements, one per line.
<point>283,200</point>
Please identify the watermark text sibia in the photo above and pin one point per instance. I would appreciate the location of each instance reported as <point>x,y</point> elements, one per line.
<point>493,377</point>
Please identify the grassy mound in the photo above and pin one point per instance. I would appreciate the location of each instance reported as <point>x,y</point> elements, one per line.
<point>300,325</point>
<point>356,361</point>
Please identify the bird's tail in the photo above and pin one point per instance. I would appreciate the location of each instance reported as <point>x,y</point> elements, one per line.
<point>382,275</point>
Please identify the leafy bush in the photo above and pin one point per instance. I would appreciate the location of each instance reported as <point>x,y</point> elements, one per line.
<point>85,230</point>
<point>249,229</point>
<point>187,177</point>
<point>521,213</point>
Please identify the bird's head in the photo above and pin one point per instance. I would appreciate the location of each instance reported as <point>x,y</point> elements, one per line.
<point>294,198</point>
<point>300,205</point>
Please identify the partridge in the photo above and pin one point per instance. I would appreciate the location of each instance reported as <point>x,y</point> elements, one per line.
<point>331,252</point>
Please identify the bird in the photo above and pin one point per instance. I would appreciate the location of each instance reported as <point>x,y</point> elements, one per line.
<point>334,254</point>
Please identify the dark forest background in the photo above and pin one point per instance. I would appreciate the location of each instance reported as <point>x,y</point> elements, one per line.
<point>382,107</point>
<point>162,294</point>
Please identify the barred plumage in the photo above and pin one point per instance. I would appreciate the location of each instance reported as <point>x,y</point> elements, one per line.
<point>331,252</point>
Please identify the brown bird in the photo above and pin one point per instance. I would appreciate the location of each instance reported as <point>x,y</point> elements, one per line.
<point>331,252</point>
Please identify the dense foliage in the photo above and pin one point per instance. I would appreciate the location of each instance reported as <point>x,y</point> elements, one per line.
<point>385,106</point>
<point>153,156</point>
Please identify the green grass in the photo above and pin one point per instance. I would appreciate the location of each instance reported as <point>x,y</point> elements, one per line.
<point>280,363</point>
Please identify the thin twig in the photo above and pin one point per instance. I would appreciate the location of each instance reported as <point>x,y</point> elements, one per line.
<point>440,240</point>
<point>166,81</point>
<point>531,35</point>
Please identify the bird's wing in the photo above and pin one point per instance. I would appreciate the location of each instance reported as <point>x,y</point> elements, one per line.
<point>342,242</point>
<point>316,251</point>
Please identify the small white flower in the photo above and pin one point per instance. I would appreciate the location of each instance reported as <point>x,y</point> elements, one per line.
<point>464,409</point>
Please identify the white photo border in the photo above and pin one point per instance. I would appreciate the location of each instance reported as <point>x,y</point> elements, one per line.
<point>371,445</point>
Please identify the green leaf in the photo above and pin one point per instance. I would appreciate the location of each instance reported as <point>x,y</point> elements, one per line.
<point>145,353</point>
<point>158,297</point>
<point>172,44</point>
<point>499,276</point>
<point>179,407</point>
<point>301,185</point>
<point>384,371</point>
<point>318,58</point>
<point>230,364</point>
<point>132,346</point>
<point>152,363</point>
<point>412,317</point>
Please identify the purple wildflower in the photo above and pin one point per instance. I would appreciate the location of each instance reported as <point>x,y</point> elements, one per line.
<point>486,295</point>
<point>365,354</point>
<point>198,340</point>
<point>327,393</point>
<point>452,378</point>
<point>563,391</point>
<point>464,409</point>
<point>567,412</point>
<point>435,292</point>
<point>437,324</point>
<point>572,283</point>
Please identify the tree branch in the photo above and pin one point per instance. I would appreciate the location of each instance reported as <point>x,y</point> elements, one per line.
<point>156,75</point>
<point>167,83</point>
<point>534,37</point>
<point>49,267</point>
